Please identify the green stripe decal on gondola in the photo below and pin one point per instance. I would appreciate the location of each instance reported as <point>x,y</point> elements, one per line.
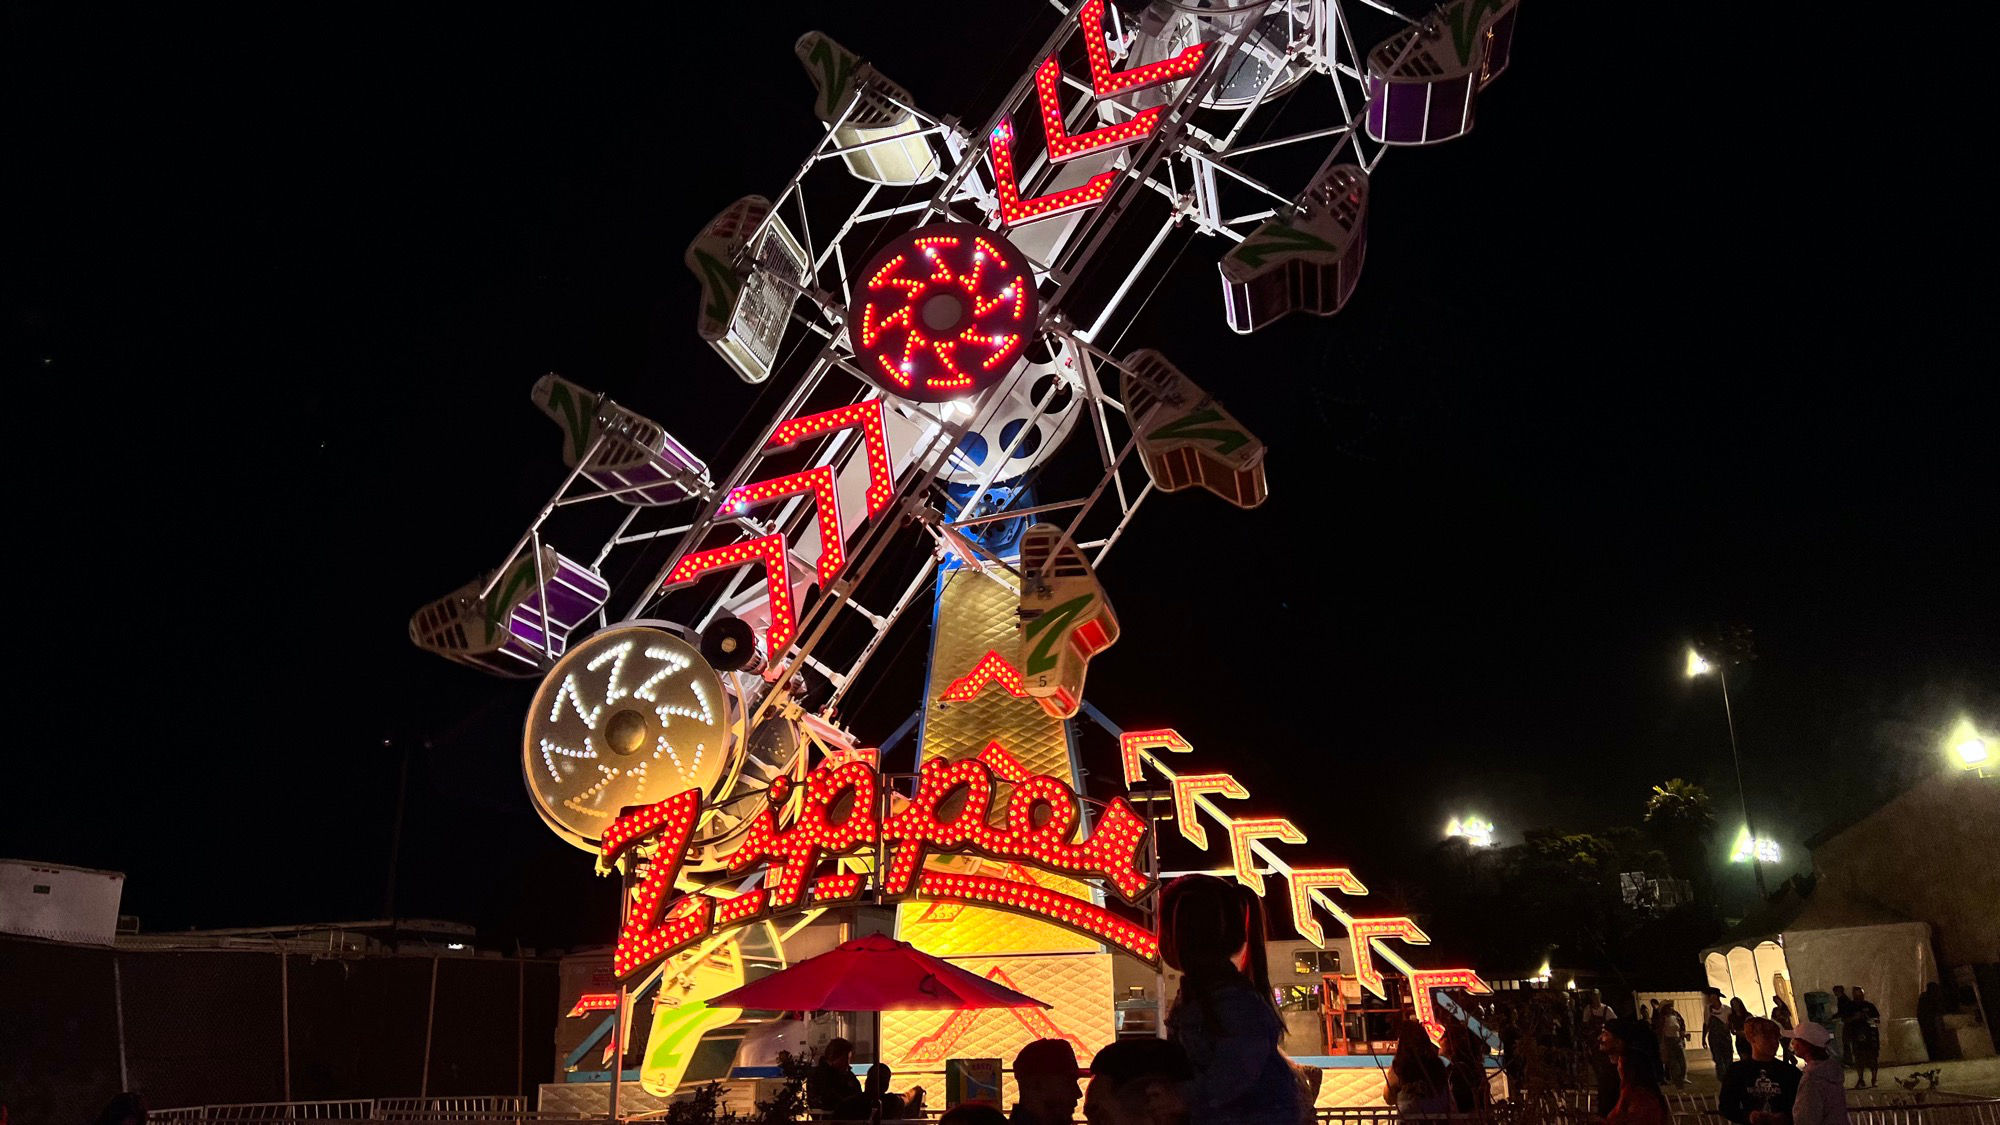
<point>1041,660</point>
<point>1226,440</point>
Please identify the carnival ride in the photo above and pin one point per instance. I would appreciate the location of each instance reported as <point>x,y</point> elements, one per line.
<point>942,306</point>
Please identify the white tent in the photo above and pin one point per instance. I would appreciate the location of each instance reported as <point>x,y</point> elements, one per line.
<point>1801,945</point>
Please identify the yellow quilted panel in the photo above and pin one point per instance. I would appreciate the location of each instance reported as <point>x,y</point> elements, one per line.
<point>949,929</point>
<point>1349,1086</point>
<point>916,1044</point>
<point>975,617</point>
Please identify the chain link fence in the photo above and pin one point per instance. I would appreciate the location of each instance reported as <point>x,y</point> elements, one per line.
<point>249,1027</point>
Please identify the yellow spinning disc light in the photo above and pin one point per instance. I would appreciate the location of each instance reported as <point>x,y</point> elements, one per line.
<point>629,717</point>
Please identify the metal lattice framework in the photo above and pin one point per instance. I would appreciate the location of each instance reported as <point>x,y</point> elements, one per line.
<point>1199,168</point>
<point>1179,123</point>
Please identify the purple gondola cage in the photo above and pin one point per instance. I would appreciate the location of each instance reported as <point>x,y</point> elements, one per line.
<point>1423,81</point>
<point>574,593</point>
<point>1412,100</point>
<point>503,632</point>
<point>636,459</point>
<point>645,459</point>
<point>1309,261</point>
<point>1499,46</point>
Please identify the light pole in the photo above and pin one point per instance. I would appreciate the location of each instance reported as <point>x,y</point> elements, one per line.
<point>1698,665</point>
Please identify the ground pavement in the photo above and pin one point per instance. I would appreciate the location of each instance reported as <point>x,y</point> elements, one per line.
<point>1974,1077</point>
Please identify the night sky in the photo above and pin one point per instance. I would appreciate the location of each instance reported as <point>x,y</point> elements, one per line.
<point>1669,340</point>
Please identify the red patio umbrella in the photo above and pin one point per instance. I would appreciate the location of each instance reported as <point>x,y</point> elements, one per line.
<point>873,974</point>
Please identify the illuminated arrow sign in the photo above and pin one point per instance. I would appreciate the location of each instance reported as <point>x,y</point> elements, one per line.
<point>1241,832</point>
<point>1132,743</point>
<point>1186,787</point>
<point>1362,933</point>
<point>1423,981</point>
<point>1062,146</point>
<point>1303,882</point>
<point>772,550</point>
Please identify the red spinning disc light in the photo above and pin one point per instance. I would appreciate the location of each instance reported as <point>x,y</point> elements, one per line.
<point>943,312</point>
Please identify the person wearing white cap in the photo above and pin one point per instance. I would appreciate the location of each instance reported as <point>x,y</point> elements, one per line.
<point>1822,1098</point>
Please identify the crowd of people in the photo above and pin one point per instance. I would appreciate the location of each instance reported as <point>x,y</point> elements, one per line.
<point>1726,1031</point>
<point>1221,1060</point>
<point>1757,1087</point>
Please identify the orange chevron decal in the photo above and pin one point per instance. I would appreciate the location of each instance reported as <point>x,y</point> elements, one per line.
<point>1304,881</point>
<point>1005,766</point>
<point>819,482</point>
<point>1063,146</point>
<point>769,550</point>
<point>866,415</point>
<point>773,550</point>
<point>1107,81</point>
<point>1186,787</point>
<point>939,1044</point>
<point>592,1002</point>
<point>992,668</point>
<point>1014,209</point>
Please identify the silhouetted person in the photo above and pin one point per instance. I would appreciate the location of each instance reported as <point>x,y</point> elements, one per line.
<point>1143,1082</point>
<point>1634,1052</point>
<point>125,1109</point>
<point>1465,1071</point>
<point>1418,1081</point>
<point>876,1103</point>
<point>1596,1014</point>
<point>1672,1031</point>
<point>1862,1035</point>
<point>1821,1100</point>
<point>1715,1032</point>
<point>1759,1088</point>
<point>831,1082</point>
<point>1738,1016</point>
<point>1930,1020</point>
<point>1224,1016</point>
<point>1781,1014</point>
<point>1046,1074</point>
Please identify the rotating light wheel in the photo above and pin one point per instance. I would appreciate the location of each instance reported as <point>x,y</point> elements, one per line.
<point>769,750</point>
<point>630,716</point>
<point>943,312</point>
<point>1024,422</point>
<point>1262,67</point>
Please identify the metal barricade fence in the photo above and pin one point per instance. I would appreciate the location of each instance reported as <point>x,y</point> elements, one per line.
<point>506,1109</point>
<point>1573,1108</point>
<point>1559,1107</point>
<point>346,1109</point>
<point>1933,1110</point>
<point>396,1109</point>
<point>1691,1109</point>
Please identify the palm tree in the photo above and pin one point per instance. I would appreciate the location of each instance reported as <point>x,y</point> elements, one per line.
<point>1680,805</point>
<point>1679,813</point>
